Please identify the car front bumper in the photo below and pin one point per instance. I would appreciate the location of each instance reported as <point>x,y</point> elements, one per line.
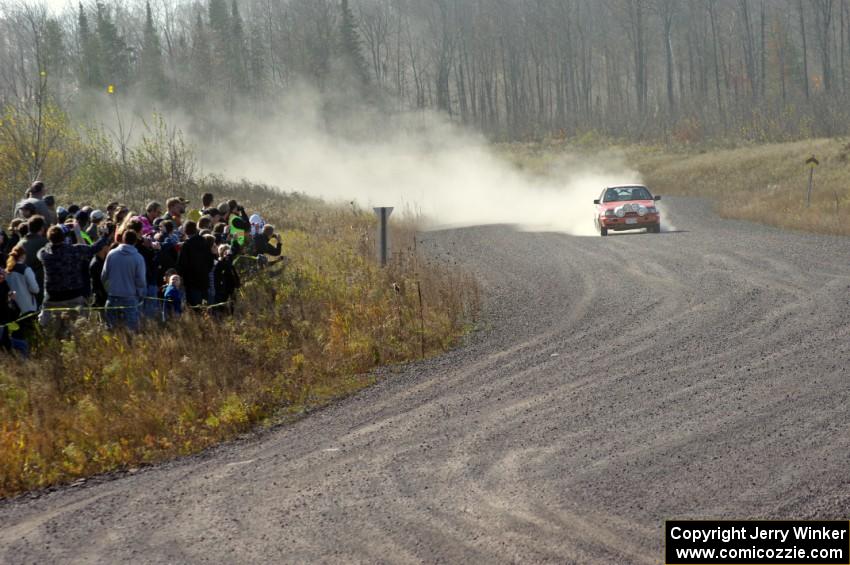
<point>630,222</point>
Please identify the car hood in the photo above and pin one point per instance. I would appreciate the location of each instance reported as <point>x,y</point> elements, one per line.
<point>614,205</point>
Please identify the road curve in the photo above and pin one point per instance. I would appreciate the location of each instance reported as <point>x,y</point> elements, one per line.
<point>615,382</point>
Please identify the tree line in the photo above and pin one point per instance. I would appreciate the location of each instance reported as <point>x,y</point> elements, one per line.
<point>515,69</point>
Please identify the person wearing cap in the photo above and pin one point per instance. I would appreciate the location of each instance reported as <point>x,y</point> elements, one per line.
<point>257,224</point>
<point>215,214</point>
<point>95,218</point>
<point>35,195</point>
<point>26,210</point>
<point>224,211</point>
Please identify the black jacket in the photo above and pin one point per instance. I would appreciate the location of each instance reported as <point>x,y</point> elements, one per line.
<point>263,247</point>
<point>151,256</point>
<point>95,269</point>
<point>226,279</point>
<point>8,313</point>
<point>195,262</point>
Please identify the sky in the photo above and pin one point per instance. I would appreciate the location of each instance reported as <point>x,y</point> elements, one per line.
<point>56,6</point>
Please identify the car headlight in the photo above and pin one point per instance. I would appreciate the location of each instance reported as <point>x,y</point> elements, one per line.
<point>620,211</point>
<point>652,210</point>
<point>641,211</point>
<point>608,213</point>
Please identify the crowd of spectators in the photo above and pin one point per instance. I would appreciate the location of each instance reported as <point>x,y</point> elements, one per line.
<point>56,262</point>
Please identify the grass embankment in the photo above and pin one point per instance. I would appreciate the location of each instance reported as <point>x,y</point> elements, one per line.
<point>300,336</point>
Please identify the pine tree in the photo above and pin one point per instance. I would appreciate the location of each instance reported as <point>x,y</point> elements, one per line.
<point>257,63</point>
<point>220,48</point>
<point>113,52</point>
<point>55,52</point>
<point>89,69</point>
<point>201,58</point>
<point>237,50</point>
<point>219,20</point>
<point>150,60</point>
<point>351,47</point>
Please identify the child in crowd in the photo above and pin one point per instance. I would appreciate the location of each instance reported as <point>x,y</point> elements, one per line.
<point>173,305</point>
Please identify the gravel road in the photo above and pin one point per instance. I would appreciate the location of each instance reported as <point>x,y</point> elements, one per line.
<point>615,382</point>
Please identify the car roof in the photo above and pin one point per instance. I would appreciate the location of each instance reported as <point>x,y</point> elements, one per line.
<point>628,186</point>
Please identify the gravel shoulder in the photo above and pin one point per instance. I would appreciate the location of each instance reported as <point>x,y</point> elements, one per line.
<point>615,382</point>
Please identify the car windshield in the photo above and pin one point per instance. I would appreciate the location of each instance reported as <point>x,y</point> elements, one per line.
<point>626,193</point>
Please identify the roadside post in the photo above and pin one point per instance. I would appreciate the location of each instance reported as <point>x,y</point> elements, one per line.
<point>812,163</point>
<point>383,233</point>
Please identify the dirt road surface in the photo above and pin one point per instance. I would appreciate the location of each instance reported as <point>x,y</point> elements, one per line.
<point>615,382</point>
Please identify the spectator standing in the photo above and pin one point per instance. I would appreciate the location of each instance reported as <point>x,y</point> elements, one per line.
<point>22,282</point>
<point>35,197</point>
<point>95,270</point>
<point>8,311</point>
<point>169,248</point>
<point>226,277</point>
<point>149,251</point>
<point>257,224</point>
<point>123,277</point>
<point>263,242</point>
<point>173,295</point>
<point>194,265</point>
<point>33,242</point>
<point>176,209</point>
<point>95,218</point>
<point>152,212</point>
<point>65,285</point>
<point>83,219</point>
<point>26,210</point>
<point>239,224</point>
<point>207,202</point>
<point>210,239</point>
<point>13,237</point>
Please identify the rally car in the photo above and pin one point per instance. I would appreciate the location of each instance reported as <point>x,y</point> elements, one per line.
<point>627,207</point>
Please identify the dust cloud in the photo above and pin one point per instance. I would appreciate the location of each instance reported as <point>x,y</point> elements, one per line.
<point>417,163</point>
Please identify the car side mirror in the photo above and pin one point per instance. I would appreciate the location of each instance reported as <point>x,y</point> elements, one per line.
<point>657,198</point>
<point>596,201</point>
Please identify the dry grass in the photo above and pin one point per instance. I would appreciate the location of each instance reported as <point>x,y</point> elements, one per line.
<point>301,336</point>
<point>762,183</point>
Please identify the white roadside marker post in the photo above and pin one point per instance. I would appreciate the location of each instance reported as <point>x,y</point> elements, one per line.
<point>383,234</point>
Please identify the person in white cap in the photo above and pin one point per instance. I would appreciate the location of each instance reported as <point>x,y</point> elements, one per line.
<point>257,224</point>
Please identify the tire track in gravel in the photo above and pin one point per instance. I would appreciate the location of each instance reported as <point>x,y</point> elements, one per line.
<point>614,382</point>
